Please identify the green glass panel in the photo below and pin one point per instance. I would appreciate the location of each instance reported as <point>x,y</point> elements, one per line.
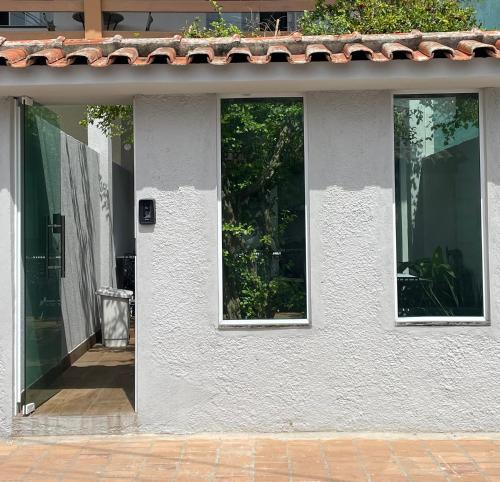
<point>438,205</point>
<point>263,209</point>
<point>44,335</point>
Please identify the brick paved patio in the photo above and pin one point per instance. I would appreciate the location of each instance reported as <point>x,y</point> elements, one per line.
<point>240,459</point>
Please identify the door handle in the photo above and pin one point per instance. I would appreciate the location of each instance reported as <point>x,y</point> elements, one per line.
<point>47,247</point>
<point>63,246</point>
<point>57,226</point>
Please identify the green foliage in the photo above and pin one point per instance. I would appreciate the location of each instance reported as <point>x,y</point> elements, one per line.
<point>112,120</point>
<point>262,159</point>
<point>217,28</point>
<point>387,16</point>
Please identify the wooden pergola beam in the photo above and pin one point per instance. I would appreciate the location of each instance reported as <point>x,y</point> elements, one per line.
<point>188,6</point>
<point>92,10</point>
<point>41,5</point>
<point>203,6</point>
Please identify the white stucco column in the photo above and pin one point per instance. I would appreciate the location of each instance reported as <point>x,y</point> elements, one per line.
<point>8,216</point>
<point>103,146</point>
<point>176,278</point>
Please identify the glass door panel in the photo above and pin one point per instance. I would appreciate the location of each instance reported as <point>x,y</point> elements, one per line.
<point>43,231</point>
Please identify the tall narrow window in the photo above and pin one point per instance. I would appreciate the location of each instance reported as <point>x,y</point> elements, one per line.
<point>263,209</point>
<point>438,206</point>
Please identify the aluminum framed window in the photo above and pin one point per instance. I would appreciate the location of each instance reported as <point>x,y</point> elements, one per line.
<point>263,212</point>
<point>439,209</point>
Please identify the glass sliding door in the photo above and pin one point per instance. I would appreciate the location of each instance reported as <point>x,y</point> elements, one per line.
<point>44,252</point>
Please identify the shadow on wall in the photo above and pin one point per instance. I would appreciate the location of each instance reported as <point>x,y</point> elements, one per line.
<point>82,204</point>
<point>105,207</point>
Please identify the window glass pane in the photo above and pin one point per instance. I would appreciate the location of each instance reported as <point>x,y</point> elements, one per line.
<point>263,209</point>
<point>438,205</point>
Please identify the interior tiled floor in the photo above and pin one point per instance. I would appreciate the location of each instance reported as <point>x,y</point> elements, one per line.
<point>319,458</point>
<point>101,382</point>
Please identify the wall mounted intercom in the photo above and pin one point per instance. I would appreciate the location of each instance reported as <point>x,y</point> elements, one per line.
<point>147,213</point>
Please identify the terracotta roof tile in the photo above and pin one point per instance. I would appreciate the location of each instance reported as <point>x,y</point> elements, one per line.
<point>477,49</point>
<point>278,53</point>
<point>11,56</point>
<point>200,55</point>
<point>396,50</point>
<point>239,55</point>
<point>294,49</point>
<point>339,58</point>
<point>45,56</point>
<point>162,55</point>
<point>358,51</point>
<point>125,55</point>
<point>87,55</point>
<point>317,52</point>
<point>435,49</point>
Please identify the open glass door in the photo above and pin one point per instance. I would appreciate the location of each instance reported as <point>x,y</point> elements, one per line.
<point>44,254</point>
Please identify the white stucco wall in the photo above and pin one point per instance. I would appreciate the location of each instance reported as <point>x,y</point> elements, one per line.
<point>353,369</point>
<point>7,263</point>
<point>99,143</point>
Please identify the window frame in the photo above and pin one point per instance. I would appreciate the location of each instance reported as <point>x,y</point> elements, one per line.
<point>445,320</point>
<point>274,323</point>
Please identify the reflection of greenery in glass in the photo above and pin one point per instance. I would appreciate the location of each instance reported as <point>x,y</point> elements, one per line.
<point>263,211</point>
<point>438,205</point>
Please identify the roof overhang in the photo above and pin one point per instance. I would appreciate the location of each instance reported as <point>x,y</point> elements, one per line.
<point>120,83</point>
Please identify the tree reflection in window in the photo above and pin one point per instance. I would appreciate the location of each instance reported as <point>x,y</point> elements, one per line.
<point>263,209</point>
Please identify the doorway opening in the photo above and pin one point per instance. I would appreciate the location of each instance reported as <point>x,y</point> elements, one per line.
<point>77,237</point>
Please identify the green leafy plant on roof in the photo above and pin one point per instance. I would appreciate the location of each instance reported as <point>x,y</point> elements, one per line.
<point>219,27</point>
<point>387,16</point>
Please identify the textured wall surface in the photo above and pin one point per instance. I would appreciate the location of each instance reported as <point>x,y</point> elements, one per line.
<point>99,143</point>
<point>80,203</point>
<point>7,257</point>
<point>353,370</point>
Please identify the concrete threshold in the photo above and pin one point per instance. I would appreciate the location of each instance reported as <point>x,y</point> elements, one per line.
<point>68,425</point>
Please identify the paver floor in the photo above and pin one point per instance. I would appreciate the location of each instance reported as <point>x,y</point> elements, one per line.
<point>242,458</point>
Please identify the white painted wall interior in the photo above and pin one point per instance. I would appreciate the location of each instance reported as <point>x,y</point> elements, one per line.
<point>81,204</point>
<point>353,369</point>
<point>98,142</point>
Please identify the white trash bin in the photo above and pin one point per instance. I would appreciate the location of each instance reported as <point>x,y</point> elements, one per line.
<point>115,316</point>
